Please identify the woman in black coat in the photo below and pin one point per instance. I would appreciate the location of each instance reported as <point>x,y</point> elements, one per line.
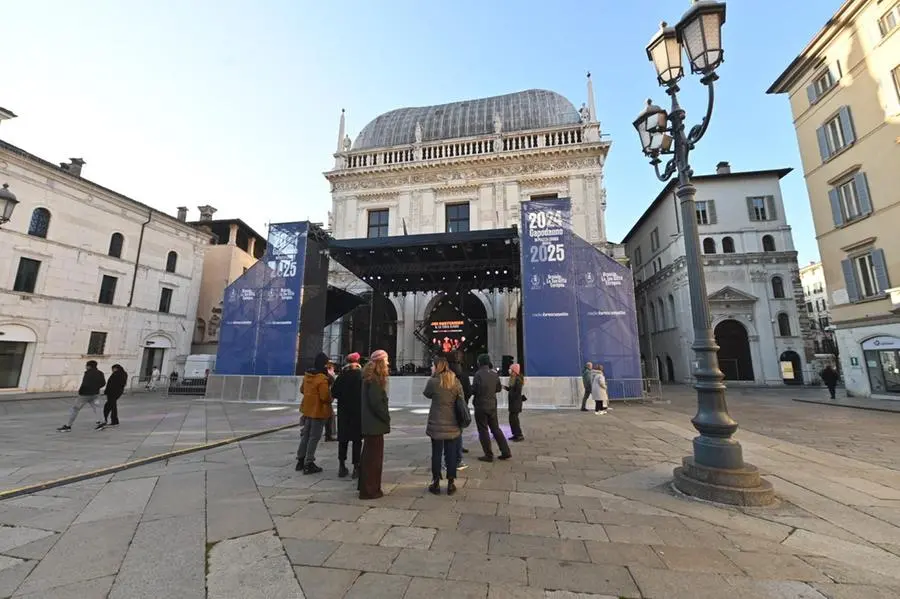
<point>514,399</point>
<point>348,391</point>
<point>115,387</point>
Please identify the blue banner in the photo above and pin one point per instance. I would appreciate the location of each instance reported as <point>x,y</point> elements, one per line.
<point>549,314</point>
<point>261,308</point>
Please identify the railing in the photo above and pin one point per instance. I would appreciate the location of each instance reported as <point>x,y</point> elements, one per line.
<point>634,389</point>
<point>166,386</point>
<point>462,148</point>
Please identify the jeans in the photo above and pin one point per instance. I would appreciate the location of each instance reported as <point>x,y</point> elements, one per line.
<point>487,426</point>
<point>587,394</point>
<point>79,403</point>
<point>309,440</point>
<point>448,449</point>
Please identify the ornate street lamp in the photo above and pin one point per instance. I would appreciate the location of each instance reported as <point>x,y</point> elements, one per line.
<point>8,203</point>
<point>716,471</point>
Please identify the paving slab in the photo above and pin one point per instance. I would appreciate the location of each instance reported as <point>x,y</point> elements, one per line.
<point>378,586</point>
<point>97,588</point>
<point>365,558</point>
<point>308,552</point>
<point>325,583</point>
<point>488,569</point>
<point>416,562</point>
<point>118,499</point>
<point>409,536</point>
<point>166,559</point>
<point>580,577</point>
<point>531,546</point>
<point>430,588</point>
<point>12,572</point>
<point>251,567</point>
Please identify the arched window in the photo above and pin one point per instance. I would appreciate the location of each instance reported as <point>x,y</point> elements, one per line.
<point>784,325</point>
<point>768,243</point>
<point>115,245</point>
<point>663,325</point>
<point>653,324</point>
<point>777,287</point>
<point>40,223</point>
<point>709,246</point>
<point>727,245</point>
<point>171,261</point>
<point>672,319</point>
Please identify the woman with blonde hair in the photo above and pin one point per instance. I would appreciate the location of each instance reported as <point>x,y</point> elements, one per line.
<point>514,401</point>
<point>444,390</point>
<point>375,424</point>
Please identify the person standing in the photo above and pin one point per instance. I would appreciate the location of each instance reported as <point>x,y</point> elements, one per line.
<point>115,387</point>
<point>91,383</point>
<point>587,376</point>
<point>154,379</point>
<point>485,387</point>
<point>444,390</point>
<point>830,378</point>
<point>330,433</point>
<point>454,361</point>
<point>347,389</point>
<point>316,410</point>
<point>375,424</point>
<point>514,401</point>
<point>598,390</point>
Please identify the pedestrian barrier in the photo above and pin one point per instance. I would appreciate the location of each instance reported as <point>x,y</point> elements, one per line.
<point>166,386</point>
<point>634,389</point>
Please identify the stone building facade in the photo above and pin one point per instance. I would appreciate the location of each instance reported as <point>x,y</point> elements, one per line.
<point>756,300</point>
<point>463,166</point>
<point>87,273</point>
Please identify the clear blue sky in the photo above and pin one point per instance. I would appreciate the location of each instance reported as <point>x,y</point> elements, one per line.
<point>236,103</point>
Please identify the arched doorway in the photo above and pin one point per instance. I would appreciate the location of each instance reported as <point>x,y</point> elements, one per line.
<point>473,335</point>
<point>791,368</point>
<point>670,369</point>
<point>355,330</point>
<point>734,351</point>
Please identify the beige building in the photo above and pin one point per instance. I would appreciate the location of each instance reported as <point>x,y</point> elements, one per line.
<point>235,247</point>
<point>844,90</point>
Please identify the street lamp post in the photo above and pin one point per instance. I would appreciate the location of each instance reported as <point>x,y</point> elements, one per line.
<point>716,471</point>
<point>8,203</point>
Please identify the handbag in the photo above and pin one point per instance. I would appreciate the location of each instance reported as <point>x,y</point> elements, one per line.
<point>463,417</point>
<point>524,398</point>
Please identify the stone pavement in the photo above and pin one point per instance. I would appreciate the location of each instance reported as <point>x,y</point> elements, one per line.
<point>583,510</point>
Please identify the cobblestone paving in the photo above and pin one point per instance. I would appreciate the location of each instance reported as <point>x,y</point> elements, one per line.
<point>583,510</point>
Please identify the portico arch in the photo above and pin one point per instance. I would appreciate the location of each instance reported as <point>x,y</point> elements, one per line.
<point>734,350</point>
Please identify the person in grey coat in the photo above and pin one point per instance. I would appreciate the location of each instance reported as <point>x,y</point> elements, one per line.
<point>485,386</point>
<point>443,389</point>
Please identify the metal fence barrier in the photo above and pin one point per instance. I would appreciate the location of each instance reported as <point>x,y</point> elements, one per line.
<point>166,386</point>
<point>634,389</point>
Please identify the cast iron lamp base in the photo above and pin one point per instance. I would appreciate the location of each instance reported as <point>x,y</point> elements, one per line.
<point>739,486</point>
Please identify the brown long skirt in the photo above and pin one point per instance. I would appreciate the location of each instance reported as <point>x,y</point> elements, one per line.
<point>371,463</point>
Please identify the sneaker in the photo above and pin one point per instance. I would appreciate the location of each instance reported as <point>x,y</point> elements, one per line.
<point>100,425</point>
<point>598,412</point>
<point>64,428</point>
<point>311,468</point>
<point>461,466</point>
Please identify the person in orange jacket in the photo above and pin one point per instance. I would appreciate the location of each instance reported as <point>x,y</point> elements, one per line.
<point>316,410</point>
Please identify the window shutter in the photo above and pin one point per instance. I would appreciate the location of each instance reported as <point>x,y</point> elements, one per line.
<point>880,267</point>
<point>835,70</point>
<point>862,190</point>
<point>823,144</point>
<point>847,125</point>
<point>811,93</point>
<point>770,208</point>
<point>850,280</point>
<point>711,211</point>
<point>836,213</point>
<point>750,212</point>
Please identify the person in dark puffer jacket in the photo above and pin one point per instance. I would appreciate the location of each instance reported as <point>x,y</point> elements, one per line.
<point>443,389</point>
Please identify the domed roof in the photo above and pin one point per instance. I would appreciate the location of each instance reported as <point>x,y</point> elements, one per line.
<point>521,111</point>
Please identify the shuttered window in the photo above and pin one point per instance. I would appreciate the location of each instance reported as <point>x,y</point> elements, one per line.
<point>836,134</point>
<point>865,275</point>
<point>761,208</point>
<point>850,200</point>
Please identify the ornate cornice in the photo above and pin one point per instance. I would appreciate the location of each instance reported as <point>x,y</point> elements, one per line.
<point>463,174</point>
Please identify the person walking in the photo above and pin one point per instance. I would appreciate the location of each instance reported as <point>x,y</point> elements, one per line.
<point>316,410</point>
<point>830,378</point>
<point>375,424</point>
<point>598,390</point>
<point>485,386</point>
<point>154,379</point>
<point>91,383</point>
<point>444,390</point>
<point>115,387</point>
<point>587,376</point>
<point>514,400</point>
<point>454,361</point>
<point>347,389</point>
<point>330,433</point>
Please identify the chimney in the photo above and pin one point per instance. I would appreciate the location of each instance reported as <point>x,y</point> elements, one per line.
<point>723,168</point>
<point>206,212</point>
<point>73,167</point>
<point>182,213</point>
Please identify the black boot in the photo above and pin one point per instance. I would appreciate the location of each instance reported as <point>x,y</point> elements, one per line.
<point>451,488</point>
<point>342,470</point>
<point>299,466</point>
<point>311,468</point>
<point>435,487</point>
<point>355,474</point>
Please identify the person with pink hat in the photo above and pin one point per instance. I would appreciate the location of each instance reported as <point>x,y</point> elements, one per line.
<point>375,424</point>
<point>348,391</point>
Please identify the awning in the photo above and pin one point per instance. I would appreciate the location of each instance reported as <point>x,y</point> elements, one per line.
<point>485,259</point>
<point>339,302</point>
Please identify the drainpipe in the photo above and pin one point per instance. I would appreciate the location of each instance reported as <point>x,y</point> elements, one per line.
<point>137,260</point>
